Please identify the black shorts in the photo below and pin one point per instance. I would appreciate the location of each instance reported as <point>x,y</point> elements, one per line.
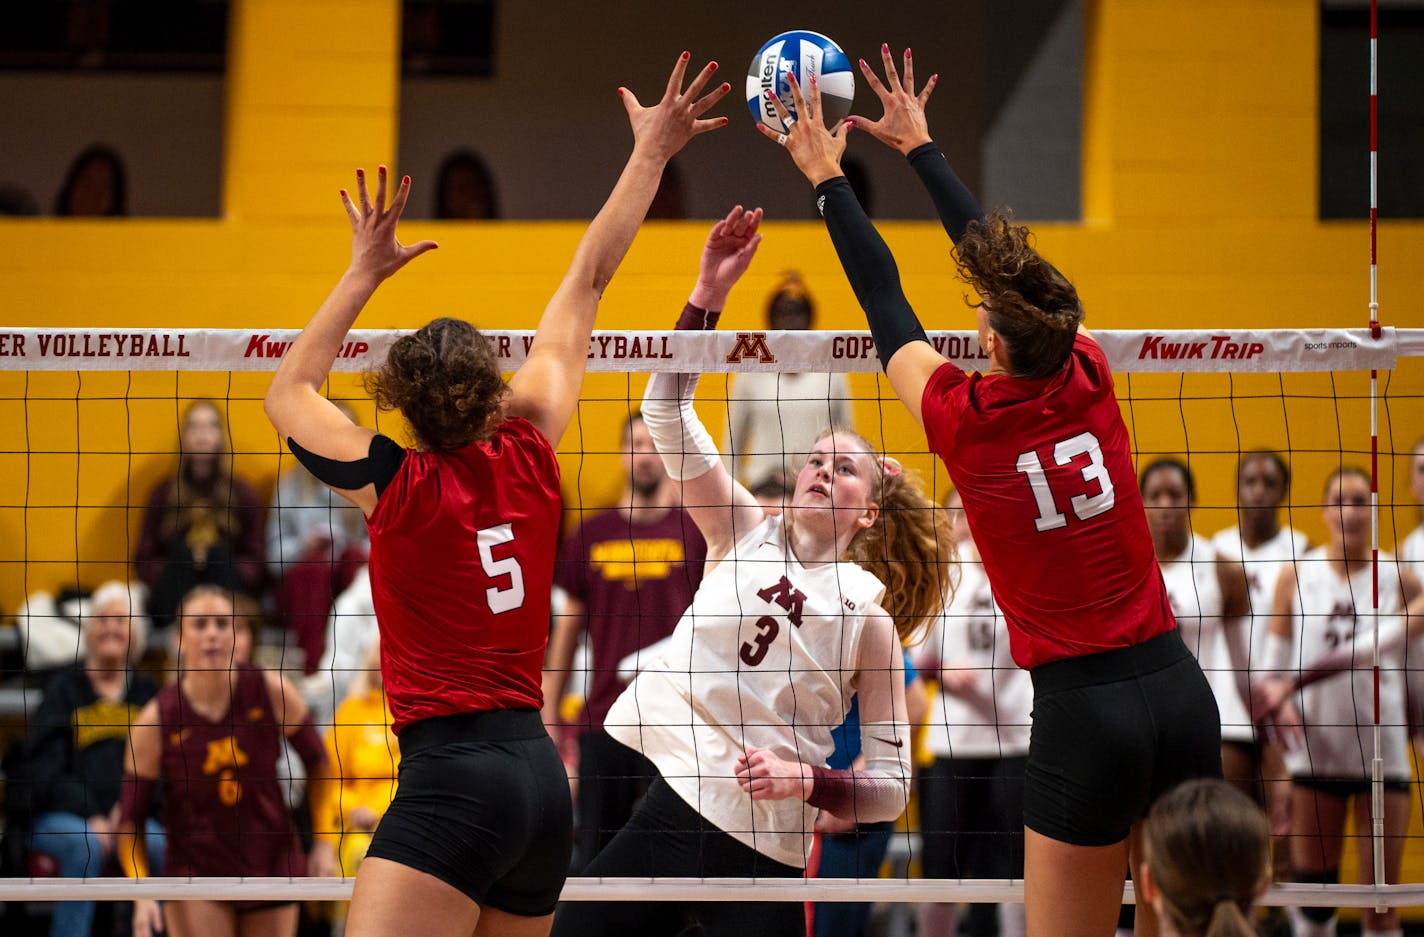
<point>483,805</point>
<point>1346,787</point>
<point>1111,732</point>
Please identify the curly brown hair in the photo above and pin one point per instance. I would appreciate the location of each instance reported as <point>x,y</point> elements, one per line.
<point>1032,306</point>
<point>908,548</point>
<point>445,381</point>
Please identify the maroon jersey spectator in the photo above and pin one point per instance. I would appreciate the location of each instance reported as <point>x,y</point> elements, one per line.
<point>629,574</point>
<point>214,739</point>
<point>203,525</point>
<point>1038,450</point>
<point>463,538</point>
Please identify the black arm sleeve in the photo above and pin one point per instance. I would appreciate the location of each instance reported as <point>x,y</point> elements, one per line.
<point>382,461</point>
<point>871,269</point>
<point>955,204</point>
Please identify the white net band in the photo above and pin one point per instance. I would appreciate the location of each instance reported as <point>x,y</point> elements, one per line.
<point>1135,351</point>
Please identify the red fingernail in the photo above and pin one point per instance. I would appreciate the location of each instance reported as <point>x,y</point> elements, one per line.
<point>724,121</point>
<point>862,63</point>
<point>686,55</point>
<point>934,77</point>
<point>381,170</point>
<point>907,52</point>
<point>726,87</point>
<point>813,79</point>
<point>712,66</point>
<point>884,47</point>
<point>360,172</point>
<point>405,180</point>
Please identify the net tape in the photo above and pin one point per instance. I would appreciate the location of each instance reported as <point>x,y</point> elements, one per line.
<point>1137,351</point>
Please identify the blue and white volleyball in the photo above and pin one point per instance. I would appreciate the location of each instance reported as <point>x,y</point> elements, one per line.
<point>804,53</point>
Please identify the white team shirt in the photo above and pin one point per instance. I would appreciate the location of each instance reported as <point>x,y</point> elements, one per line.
<point>972,631</point>
<point>765,656</point>
<point>1194,591</point>
<point>1263,566</point>
<point>1411,556</point>
<point>1338,711</point>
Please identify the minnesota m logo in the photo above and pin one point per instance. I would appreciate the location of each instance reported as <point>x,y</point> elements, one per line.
<point>751,345</point>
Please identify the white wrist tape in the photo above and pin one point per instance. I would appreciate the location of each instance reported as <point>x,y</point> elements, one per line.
<point>683,442</point>
<point>1278,656</point>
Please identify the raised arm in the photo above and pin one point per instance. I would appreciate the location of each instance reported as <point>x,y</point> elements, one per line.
<point>905,352</point>
<point>546,388</point>
<point>721,506</point>
<point>294,403</point>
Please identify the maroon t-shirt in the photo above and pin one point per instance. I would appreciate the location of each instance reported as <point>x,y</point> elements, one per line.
<point>224,809</point>
<point>1045,470</point>
<point>635,580</point>
<point>462,560</point>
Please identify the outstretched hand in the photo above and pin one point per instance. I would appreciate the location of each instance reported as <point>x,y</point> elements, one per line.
<point>903,124</point>
<point>665,128</point>
<point>730,247</point>
<point>374,247</point>
<point>816,149</point>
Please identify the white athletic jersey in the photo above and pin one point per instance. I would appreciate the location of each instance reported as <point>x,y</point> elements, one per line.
<point>1411,557</point>
<point>971,631</point>
<point>765,656</point>
<point>1263,566</point>
<point>1338,711</point>
<point>1194,590</point>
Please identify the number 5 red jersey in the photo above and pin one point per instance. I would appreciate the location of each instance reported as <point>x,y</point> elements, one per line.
<point>462,561</point>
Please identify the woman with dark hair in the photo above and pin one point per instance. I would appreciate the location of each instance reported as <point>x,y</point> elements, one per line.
<point>1206,859</point>
<point>464,530</point>
<point>96,185</point>
<point>1038,451</point>
<point>464,188</point>
<point>201,525</point>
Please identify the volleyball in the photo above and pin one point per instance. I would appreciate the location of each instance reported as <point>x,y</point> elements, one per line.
<point>805,53</point>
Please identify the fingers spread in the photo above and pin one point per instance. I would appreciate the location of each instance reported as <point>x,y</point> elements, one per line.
<point>701,79</point>
<point>892,77</point>
<point>402,194</point>
<point>873,80</point>
<point>924,95</point>
<point>674,85</point>
<point>350,208</point>
<point>361,194</point>
<point>380,188</point>
<point>909,67</point>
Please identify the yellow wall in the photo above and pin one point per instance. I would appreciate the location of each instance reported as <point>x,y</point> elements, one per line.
<point>1199,179</point>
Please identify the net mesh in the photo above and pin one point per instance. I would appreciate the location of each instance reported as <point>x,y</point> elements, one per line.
<point>96,417</point>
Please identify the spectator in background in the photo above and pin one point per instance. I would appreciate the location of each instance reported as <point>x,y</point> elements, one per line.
<point>774,419</point>
<point>96,185</point>
<point>214,737</point>
<point>670,200</point>
<point>316,543</point>
<point>17,202</point>
<point>1206,859</point>
<point>362,755</point>
<point>350,634</point>
<point>74,756</point>
<point>464,188</point>
<point>629,573</point>
<point>200,527</point>
<point>971,796</point>
<point>1210,599</point>
<point>1265,546</point>
<point>1411,556</point>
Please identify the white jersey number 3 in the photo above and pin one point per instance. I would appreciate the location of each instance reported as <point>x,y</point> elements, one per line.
<point>1084,505</point>
<point>510,598</point>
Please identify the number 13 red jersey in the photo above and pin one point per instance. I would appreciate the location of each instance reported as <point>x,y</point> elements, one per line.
<point>462,560</point>
<point>1045,471</point>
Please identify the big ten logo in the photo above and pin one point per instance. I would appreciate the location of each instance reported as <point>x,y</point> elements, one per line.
<point>751,345</point>
<point>225,756</point>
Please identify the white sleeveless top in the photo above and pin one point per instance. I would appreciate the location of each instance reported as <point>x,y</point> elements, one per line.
<point>765,656</point>
<point>1194,589</point>
<point>972,631</point>
<point>1338,711</point>
<point>1263,566</point>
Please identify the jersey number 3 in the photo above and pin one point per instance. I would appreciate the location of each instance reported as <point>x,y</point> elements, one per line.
<point>511,597</point>
<point>1084,505</point>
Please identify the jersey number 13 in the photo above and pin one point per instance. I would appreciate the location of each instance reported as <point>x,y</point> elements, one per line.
<point>1084,505</point>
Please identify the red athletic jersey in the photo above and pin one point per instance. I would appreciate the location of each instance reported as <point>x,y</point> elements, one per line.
<point>224,809</point>
<point>1045,470</point>
<point>462,560</point>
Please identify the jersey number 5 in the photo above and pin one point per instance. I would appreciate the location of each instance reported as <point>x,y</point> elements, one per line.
<point>510,598</point>
<point>1084,505</point>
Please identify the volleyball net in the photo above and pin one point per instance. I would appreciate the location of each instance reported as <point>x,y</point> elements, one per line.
<point>95,417</point>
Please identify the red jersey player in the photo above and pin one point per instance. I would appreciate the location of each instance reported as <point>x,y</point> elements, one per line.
<point>1038,450</point>
<point>463,532</point>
